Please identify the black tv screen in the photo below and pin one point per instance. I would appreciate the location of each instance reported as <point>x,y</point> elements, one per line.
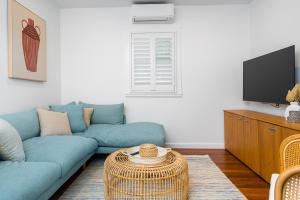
<point>268,78</point>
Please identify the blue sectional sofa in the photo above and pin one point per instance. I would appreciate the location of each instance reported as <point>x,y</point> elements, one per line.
<point>52,160</point>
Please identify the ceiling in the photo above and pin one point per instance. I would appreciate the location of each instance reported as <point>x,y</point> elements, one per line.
<point>124,3</point>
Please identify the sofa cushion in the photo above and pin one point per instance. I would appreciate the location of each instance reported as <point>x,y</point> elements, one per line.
<point>26,123</point>
<point>66,151</point>
<point>11,146</point>
<point>54,123</point>
<point>106,114</point>
<point>75,114</point>
<point>87,114</point>
<point>26,180</point>
<point>126,135</point>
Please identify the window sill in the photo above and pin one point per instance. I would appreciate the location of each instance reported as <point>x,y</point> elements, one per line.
<point>154,95</point>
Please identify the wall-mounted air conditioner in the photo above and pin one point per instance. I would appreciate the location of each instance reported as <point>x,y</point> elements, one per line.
<point>152,13</point>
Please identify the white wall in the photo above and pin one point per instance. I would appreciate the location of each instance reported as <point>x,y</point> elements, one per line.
<point>19,95</point>
<point>214,40</point>
<point>274,24</point>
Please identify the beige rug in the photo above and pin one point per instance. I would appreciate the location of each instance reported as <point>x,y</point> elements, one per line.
<point>207,182</point>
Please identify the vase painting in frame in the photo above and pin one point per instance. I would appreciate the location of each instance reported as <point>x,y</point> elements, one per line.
<point>26,43</point>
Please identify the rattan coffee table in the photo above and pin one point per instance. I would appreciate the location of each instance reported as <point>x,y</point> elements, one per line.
<point>124,179</point>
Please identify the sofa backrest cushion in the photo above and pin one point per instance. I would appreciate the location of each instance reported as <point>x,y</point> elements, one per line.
<point>106,114</point>
<point>26,123</point>
<point>75,114</point>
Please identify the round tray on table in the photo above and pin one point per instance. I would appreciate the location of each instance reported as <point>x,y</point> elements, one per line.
<point>136,158</point>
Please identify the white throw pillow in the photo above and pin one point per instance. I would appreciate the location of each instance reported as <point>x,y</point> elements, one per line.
<point>11,146</point>
<point>54,123</point>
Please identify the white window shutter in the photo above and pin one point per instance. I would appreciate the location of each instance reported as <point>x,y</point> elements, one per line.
<point>141,76</point>
<point>164,62</point>
<point>153,62</point>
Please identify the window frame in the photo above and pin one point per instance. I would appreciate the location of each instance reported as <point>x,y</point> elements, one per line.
<point>177,92</point>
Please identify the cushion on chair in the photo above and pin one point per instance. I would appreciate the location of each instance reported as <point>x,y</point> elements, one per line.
<point>75,114</point>
<point>11,146</point>
<point>66,151</point>
<point>26,180</point>
<point>126,135</point>
<point>106,114</point>
<point>26,123</point>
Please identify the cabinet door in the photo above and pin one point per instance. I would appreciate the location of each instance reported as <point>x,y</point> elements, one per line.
<point>234,138</point>
<point>269,142</point>
<point>251,145</point>
<point>228,130</point>
<point>239,137</point>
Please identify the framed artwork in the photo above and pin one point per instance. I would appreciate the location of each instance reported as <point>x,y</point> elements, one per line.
<point>26,44</point>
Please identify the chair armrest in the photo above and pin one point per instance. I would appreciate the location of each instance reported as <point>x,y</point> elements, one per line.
<point>272,186</point>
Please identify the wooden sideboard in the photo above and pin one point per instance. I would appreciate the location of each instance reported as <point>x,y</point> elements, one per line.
<point>254,138</point>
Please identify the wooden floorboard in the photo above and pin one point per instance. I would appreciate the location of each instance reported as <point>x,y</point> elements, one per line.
<point>249,183</point>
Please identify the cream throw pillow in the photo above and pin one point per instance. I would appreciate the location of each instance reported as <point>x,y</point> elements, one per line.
<point>54,123</point>
<point>87,114</point>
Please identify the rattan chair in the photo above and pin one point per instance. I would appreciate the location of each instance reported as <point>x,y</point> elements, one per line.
<point>289,157</point>
<point>290,152</point>
<point>288,185</point>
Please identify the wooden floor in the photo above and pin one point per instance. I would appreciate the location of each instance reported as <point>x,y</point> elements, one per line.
<point>251,185</point>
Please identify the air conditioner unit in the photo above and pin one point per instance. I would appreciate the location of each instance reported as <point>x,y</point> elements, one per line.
<point>152,13</point>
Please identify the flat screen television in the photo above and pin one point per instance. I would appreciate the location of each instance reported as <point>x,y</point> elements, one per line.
<point>268,78</point>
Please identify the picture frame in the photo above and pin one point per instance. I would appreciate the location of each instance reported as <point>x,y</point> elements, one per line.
<point>27,47</point>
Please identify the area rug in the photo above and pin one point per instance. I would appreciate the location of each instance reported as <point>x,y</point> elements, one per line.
<point>207,182</point>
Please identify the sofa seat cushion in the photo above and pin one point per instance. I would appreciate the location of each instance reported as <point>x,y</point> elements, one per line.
<point>66,151</point>
<point>126,135</point>
<point>26,180</point>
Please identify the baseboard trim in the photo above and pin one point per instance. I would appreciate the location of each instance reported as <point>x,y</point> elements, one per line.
<point>196,145</point>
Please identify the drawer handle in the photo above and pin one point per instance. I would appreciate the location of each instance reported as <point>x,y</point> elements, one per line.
<point>273,129</point>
